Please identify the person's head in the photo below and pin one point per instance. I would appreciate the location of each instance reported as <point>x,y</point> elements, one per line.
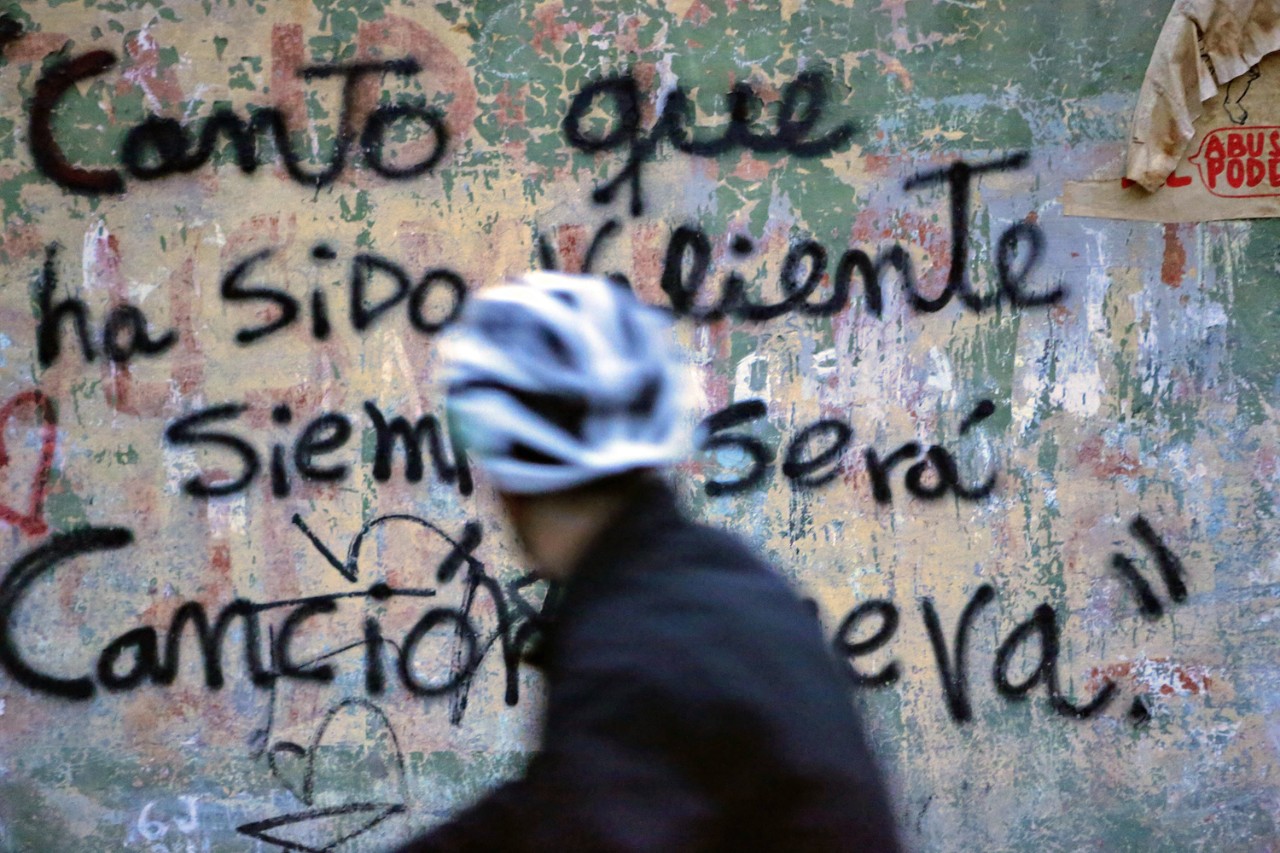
<point>564,390</point>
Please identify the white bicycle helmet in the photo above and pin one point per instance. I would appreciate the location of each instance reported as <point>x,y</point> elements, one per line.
<point>556,380</point>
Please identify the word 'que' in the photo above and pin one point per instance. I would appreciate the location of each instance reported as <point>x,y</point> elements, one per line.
<point>799,111</point>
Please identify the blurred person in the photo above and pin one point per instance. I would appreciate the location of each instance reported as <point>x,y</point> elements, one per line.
<point>692,704</point>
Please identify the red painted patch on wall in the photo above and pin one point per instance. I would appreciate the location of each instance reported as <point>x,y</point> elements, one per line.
<point>1105,462</point>
<point>30,519</point>
<point>1154,675</point>
<point>1174,266</point>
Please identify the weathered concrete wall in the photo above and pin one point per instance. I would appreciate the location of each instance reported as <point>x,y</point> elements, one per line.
<point>1114,685</point>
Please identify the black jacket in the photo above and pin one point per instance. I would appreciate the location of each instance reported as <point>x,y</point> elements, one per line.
<point>692,706</point>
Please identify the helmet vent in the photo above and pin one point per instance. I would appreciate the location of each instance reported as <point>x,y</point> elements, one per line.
<point>524,453</point>
<point>642,405</point>
<point>557,347</point>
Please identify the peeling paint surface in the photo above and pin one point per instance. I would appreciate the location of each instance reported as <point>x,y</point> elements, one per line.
<point>1046,445</point>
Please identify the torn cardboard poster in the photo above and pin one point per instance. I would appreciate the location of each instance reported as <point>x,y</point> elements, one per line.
<point>1231,169</point>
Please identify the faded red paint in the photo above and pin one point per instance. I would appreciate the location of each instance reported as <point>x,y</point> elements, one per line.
<point>1105,462</point>
<point>715,339</point>
<point>751,168</point>
<point>1155,675</point>
<point>142,71</point>
<point>288,92</point>
<point>1174,266</point>
<point>508,109</point>
<point>897,10</point>
<point>550,24</point>
<point>304,401</point>
<point>188,357</point>
<point>116,388</point>
<point>442,71</point>
<point>30,518</point>
<point>645,74</point>
<point>628,38</point>
<point>882,164</point>
<point>33,47</point>
<point>1060,314</point>
<point>1265,463</point>
<point>699,13</point>
<point>891,66</point>
<point>258,232</point>
<point>120,389</point>
<point>104,252</point>
<point>873,230</point>
<point>571,246</point>
<point>220,560</point>
<point>20,241</point>
<point>419,244</point>
<point>648,255</point>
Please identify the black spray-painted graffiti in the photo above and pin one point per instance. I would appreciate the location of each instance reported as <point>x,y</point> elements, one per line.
<point>160,146</point>
<point>806,269</point>
<point>137,657</point>
<point>799,112</point>
<point>357,817</point>
<point>322,435</point>
<point>10,31</point>
<point>366,267</point>
<point>125,333</point>
<point>432,302</point>
<point>144,655</point>
<point>813,457</point>
<point>852,641</point>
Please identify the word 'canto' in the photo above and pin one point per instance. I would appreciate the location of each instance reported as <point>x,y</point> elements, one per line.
<point>162,146</point>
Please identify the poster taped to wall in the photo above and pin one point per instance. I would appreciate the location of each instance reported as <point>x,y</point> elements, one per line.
<point>1230,170</point>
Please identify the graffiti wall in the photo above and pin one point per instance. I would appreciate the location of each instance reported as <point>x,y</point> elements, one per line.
<point>253,597</point>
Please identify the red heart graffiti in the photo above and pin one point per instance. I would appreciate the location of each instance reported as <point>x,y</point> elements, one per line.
<point>32,521</point>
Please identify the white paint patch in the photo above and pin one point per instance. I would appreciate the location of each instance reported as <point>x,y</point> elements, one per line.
<point>407,379</point>
<point>1072,349</point>
<point>200,96</point>
<point>668,80</point>
<point>823,365</point>
<point>1269,573</point>
<point>1024,399</point>
<point>942,377</point>
<point>140,290</point>
<point>229,517</point>
<point>179,462</point>
<point>1081,393</point>
<point>1213,314</point>
<point>96,241</point>
<point>743,386</point>
<point>782,213</point>
<point>1165,677</point>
